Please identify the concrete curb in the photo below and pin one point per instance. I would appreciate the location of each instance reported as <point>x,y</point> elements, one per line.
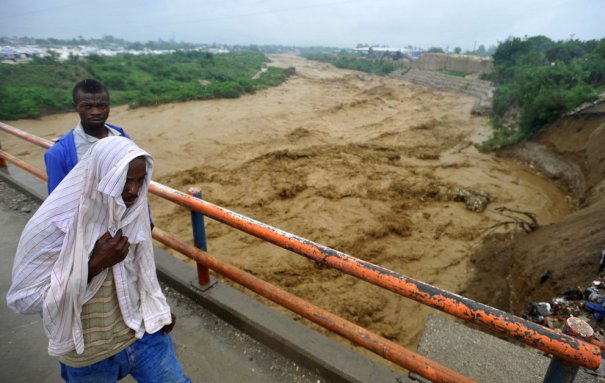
<point>309,348</point>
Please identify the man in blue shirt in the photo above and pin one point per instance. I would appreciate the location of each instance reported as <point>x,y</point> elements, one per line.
<point>91,102</point>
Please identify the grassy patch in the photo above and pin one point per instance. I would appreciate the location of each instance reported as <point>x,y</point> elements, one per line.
<point>44,85</point>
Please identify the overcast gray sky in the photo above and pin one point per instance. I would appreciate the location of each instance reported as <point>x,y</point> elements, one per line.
<point>341,23</point>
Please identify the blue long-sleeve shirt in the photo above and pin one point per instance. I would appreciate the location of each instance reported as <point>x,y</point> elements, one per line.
<point>62,157</point>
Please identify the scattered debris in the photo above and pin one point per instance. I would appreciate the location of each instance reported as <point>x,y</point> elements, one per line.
<point>473,200</point>
<point>525,220</point>
<point>587,304</point>
<point>540,312</point>
<point>290,71</point>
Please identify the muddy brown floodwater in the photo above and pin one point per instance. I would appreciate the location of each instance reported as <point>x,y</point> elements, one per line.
<point>360,163</point>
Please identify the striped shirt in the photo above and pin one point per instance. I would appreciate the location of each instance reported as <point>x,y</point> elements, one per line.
<point>50,271</point>
<point>105,333</point>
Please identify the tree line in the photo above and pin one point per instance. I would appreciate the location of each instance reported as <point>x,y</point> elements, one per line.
<point>44,86</point>
<point>538,80</point>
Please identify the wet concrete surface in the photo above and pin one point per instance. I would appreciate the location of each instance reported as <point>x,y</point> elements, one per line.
<point>485,357</point>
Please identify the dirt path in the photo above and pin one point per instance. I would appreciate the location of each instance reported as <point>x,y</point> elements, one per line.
<point>359,163</point>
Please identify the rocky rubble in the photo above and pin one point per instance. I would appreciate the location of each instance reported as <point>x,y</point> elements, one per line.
<point>16,201</point>
<point>475,201</point>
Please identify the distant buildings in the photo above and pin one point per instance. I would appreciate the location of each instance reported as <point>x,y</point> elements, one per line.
<point>413,53</point>
<point>20,53</point>
<point>408,52</point>
<point>14,54</point>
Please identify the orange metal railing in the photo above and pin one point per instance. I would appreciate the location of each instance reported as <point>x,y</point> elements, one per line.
<point>562,346</point>
<point>23,165</point>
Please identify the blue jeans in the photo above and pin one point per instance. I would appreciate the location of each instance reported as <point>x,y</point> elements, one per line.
<point>150,359</point>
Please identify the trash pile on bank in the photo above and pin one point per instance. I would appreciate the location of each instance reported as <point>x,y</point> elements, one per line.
<point>586,303</point>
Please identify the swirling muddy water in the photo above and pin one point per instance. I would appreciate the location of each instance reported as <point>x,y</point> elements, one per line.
<point>360,163</point>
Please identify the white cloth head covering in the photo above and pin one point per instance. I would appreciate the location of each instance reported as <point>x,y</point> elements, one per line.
<point>51,265</point>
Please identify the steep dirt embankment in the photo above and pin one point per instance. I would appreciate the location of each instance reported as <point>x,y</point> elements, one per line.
<point>482,90</point>
<point>564,254</point>
<point>461,63</point>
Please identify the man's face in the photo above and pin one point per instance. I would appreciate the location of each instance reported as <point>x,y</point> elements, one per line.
<point>137,171</point>
<point>92,108</point>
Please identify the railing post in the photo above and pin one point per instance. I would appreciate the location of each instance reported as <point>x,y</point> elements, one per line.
<point>2,160</point>
<point>560,371</point>
<point>199,238</point>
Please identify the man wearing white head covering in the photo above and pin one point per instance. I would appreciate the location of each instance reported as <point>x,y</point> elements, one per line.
<point>85,261</point>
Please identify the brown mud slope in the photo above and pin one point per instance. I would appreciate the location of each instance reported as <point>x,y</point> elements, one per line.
<point>564,254</point>
<point>363,164</point>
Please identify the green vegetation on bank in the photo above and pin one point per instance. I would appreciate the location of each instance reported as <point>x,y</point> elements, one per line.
<point>44,85</point>
<point>355,61</point>
<point>539,80</point>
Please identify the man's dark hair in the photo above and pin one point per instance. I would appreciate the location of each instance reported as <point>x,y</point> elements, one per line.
<point>90,86</point>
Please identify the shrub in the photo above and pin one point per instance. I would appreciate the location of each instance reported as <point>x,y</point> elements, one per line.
<point>543,80</point>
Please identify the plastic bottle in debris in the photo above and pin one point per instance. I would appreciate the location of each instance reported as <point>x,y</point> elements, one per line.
<point>594,295</point>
